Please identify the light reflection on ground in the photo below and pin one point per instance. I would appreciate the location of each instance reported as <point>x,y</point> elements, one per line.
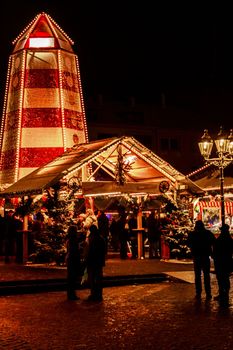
<point>154,316</point>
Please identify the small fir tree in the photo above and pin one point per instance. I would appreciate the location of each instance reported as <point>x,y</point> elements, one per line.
<point>177,232</point>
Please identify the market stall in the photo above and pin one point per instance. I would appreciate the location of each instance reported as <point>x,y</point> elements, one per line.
<point>207,207</point>
<point>209,210</point>
<point>109,167</point>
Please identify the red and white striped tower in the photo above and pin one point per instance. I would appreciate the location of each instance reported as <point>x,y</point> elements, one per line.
<point>43,112</point>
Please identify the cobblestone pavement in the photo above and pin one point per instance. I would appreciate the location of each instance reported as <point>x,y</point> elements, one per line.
<point>161,316</point>
<point>114,267</point>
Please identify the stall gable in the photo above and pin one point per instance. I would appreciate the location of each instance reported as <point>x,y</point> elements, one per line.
<point>101,159</point>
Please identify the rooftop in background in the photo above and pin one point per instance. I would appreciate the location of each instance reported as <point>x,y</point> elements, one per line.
<point>208,177</point>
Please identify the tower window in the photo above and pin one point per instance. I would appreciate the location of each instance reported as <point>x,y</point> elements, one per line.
<point>41,42</point>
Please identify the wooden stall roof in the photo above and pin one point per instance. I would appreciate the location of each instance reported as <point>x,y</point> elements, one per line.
<point>102,155</point>
<point>208,177</point>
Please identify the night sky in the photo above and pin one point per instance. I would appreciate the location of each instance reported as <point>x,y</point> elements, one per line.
<point>143,49</point>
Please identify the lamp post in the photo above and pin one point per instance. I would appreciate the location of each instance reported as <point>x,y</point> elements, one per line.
<point>224,150</point>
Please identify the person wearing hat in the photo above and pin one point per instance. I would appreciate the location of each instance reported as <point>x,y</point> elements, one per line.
<point>223,250</point>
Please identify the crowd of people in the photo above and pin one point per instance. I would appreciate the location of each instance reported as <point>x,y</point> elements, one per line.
<point>89,239</point>
<point>203,243</point>
<point>93,233</point>
<point>123,231</point>
<point>120,231</point>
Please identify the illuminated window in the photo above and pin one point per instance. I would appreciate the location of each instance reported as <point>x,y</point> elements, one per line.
<point>41,42</point>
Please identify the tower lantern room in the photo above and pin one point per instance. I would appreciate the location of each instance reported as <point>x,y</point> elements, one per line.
<point>43,113</point>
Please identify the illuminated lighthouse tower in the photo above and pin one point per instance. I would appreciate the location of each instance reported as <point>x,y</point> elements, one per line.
<point>43,112</point>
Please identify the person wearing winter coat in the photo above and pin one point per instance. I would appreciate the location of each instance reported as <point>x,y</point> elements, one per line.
<point>89,220</point>
<point>201,243</point>
<point>154,236</point>
<point>223,250</point>
<point>132,223</point>
<point>95,261</point>
<point>103,226</point>
<point>73,262</point>
<point>123,233</point>
<point>114,234</point>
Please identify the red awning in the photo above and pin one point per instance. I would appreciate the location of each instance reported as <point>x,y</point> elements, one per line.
<point>217,204</point>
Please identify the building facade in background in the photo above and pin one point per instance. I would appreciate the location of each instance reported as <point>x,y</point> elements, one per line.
<point>155,125</point>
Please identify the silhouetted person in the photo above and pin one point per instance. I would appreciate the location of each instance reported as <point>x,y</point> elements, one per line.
<point>37,228</point>
<point>103,225</point>
<point>114,235</point>
<point>201,243</point>
<point>223,250</point>
<point>10,227</point>
<point>73,262</point>
<point>95,261</point>
<point>132,223</point>
<point>154,234</point>
<point>123,234</point>
<point>18,226</point>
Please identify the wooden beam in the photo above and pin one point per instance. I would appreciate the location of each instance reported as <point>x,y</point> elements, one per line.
<point>105,187</point>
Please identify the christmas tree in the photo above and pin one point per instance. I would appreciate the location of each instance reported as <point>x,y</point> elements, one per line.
<point>176,233</point>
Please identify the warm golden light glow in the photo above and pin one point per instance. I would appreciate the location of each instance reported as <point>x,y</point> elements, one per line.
<point>62,100</point>
<point>41,42</point>
<point>82,100</point>
<point>130,159</point>
<point>103,194</point>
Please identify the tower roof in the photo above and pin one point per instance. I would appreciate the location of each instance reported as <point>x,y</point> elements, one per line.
<point>43,32</point>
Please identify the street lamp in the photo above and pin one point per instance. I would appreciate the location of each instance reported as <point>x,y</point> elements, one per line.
<point>224,146</point>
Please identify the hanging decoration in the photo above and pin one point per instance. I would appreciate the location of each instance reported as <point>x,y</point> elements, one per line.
<point>74,183</point>
<point>122,167</point>
<point>164,186</point>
